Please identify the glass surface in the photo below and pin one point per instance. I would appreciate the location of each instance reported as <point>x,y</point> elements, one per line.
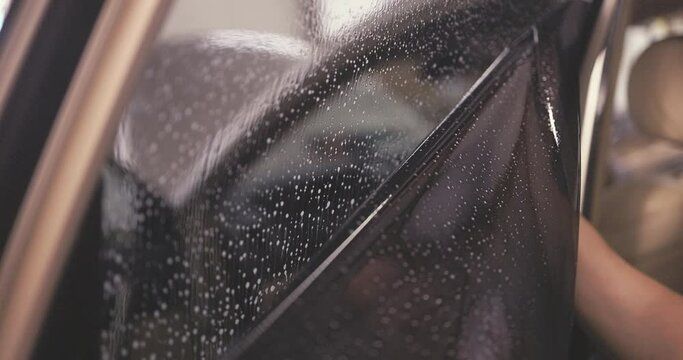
<point>4,9</point>
<point>467,251</point>
<point>255,144</point>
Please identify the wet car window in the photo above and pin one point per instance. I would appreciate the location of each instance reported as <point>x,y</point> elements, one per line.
<point>252,148</point>
<point>459,255</point>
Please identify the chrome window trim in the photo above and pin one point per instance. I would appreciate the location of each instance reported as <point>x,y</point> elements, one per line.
<point>598,80</point>
<point>20,33</point>
<point>52,210</point>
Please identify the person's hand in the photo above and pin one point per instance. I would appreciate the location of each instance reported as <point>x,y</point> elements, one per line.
<point>635,316</point>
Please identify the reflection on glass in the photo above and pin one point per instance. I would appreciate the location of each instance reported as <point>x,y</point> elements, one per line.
<point>4,9</point>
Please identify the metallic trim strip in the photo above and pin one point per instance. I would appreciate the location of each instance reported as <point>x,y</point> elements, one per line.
<point>598,80</point>
<point>20,34</point>
<point>56,199</point>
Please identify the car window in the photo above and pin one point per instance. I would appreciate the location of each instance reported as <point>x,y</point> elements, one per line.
<point>462,244</point>
<point>253,143</point>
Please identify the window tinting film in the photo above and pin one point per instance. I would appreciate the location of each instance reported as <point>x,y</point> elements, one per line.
<point>243,152</point>
<point>472,257</point>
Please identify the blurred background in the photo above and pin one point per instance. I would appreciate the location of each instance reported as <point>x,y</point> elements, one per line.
<point>640,209</point>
